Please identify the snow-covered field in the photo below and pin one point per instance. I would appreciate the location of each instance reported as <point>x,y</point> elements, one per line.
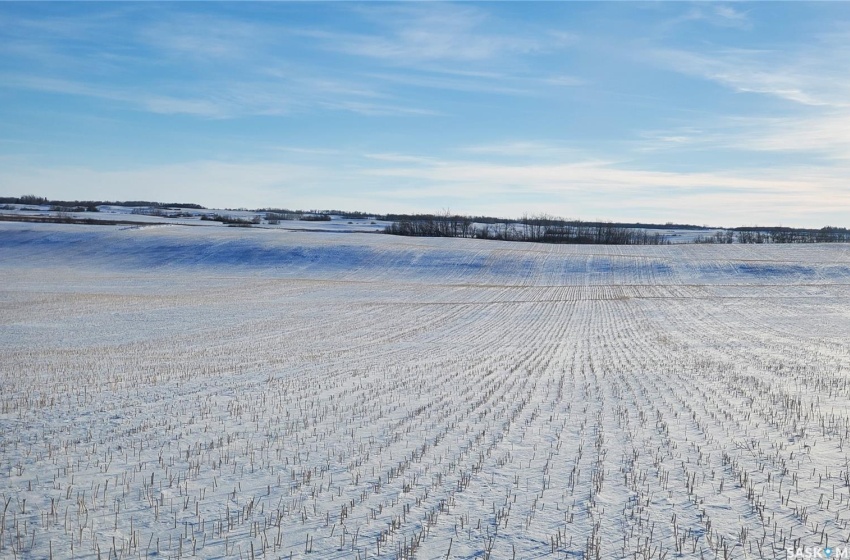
<point>249,393</point>
<point>337,224</point>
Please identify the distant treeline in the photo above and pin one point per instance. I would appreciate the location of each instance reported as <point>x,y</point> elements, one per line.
<point>778,235</point>
<point>74,204</point>
<point>550,219</point>
<point>277,217</point>
<point>540,229</point>
<point>537,228</point>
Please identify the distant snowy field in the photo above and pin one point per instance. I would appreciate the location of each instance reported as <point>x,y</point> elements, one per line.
<point>126,213</point>
<point>337,224</point>
<point>221,392</point>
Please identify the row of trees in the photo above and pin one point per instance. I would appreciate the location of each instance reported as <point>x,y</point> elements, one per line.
<point>541,229</point>
<point>277,217</point>
<point>271,217</point>
<point>548,229</point>
<point>232,220</point>
<point>86,204</point>
<point>430,225</point>
<point>778,235</point>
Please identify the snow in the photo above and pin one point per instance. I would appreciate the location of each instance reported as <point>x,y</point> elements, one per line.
<point>106,213</point>
<point>222,392</point>
<point>337,223</point>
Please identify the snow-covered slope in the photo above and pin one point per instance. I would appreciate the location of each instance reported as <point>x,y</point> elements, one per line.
<point>452,261</point>
<point>225,392</point>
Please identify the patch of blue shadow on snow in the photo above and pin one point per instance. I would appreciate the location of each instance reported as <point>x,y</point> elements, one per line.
<point>774,270</point>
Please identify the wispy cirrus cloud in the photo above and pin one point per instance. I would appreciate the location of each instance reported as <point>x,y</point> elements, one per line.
<point>820,135</point>
<point>826,135</point>
<point>220,65</point>
<point>565,81</point>
<point>206,39</point>
<point>207,66</point>
<point>403,158</point>
<point>446,46</point>
<point>742,71</point>
<point>816,75</point>
<point>415,33</point>
<point>491,84</point>
<point>219,104</point>
<point>731,15</point>
<point>578,176</point>
<point>528,150</point>
<point>813,78</point>
<point>224,99</point>
<point>717,14</point>
<point>59,25</point>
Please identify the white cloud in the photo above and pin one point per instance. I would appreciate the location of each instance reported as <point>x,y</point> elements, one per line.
<point>742,71</point>
<point>565,81</point>
<point>205,39</point>
<point>205,66</point>
<point>529,151</point>
<point>443,42</point>
<point>504,85</point>
<point>416,33</point>
<point>489,177</point>
<point>730,14</point>
<point>402,158</point>
<point>222,66</point>
<point>716,14</point>
<point>823,136</point>
<point>214,105</point>
<point>826,135</point>
<point>227,99</point>
<point>816,75</point>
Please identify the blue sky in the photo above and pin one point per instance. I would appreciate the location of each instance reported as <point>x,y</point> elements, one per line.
<point>708,113</point>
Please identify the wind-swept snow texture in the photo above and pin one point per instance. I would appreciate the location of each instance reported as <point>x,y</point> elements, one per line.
<point>178,392</point>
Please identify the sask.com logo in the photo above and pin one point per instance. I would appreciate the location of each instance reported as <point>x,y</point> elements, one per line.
<point>814,552</point>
